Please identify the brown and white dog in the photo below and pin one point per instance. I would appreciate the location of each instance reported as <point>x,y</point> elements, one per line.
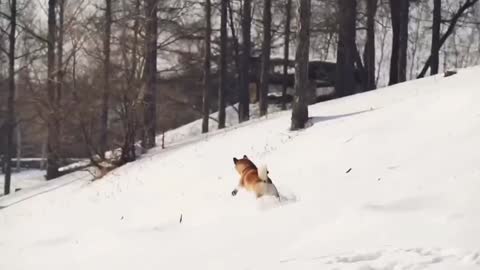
<point>254,179</point>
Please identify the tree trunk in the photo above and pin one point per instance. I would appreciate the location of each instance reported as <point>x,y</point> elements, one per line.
<point>223,64</point>
<point>398,60</point>
<point>394,11</point>
<point>59,74</point>
<point>346,49</point>
<point>53,155</point>
<point>300,108</point>
<point>437,18</point>
<point>106,78</point>
<point>149,100</point>
<point>11,97</point>
<point>453,21</point>
<point>403,50</point>
<point>370,45</point>
<point>244,107</point>
<point>286,44</point>
<point>266,49</point>
<point>18,133</point>
<point>206,67</point>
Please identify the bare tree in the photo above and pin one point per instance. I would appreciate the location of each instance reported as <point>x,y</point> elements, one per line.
<point>370,45</point>
<point>346,49</point>
<point>244,107</point>
<point>10,123</point>
<point>394,9</point>
<point>206,66</point>
<point>130,101</point>
<point>286,44</point>
<point>149,99</point>
<point>53,155</point>
<point>402,61</point>
<point>398,62</point>
<point>106,77</point>
<point>453,21</point>
<point>266,50</point>
<point>437,17</point>
<point>300,108</point>
<point>223,64</point>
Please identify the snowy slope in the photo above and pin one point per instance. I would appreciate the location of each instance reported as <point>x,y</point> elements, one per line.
<point>31,182</point>
<point>410,200</point>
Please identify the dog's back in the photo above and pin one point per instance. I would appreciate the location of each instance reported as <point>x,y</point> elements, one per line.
<point>254,179</point>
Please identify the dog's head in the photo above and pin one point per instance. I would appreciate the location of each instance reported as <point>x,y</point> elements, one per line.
<point>243,163</point>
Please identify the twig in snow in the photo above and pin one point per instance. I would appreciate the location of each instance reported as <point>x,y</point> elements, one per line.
<point>449,73</point>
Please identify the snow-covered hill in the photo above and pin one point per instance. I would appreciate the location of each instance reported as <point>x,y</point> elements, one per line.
<point>387,179</point>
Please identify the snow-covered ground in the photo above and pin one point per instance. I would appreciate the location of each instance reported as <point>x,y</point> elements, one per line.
<point>194,129</point>
<point>23,179</point>
<point>387,179</point>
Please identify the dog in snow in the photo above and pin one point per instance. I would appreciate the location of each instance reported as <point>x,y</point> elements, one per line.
<point>254,179</point>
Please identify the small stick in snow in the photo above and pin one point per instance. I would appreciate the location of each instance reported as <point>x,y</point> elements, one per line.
<point>348,170</point>
<point>449,73</point>
<point>181,218</point>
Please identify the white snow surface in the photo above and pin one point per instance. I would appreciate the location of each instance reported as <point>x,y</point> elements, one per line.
<point>409,200</point>
<point>23,179</point>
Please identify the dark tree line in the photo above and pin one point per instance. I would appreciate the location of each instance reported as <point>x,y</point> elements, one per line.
<point>59,95</point>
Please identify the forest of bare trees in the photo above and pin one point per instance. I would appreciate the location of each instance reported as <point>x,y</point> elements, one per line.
<point>100,79</point>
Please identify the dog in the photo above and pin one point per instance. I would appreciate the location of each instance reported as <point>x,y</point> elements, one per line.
<point>254,179</point>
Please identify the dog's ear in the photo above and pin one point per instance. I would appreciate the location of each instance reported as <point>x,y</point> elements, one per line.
<point>245,156</point>
<point>235,160</point>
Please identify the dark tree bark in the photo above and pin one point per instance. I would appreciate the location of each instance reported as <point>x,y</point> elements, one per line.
<point>437,17</point>
<point>402,54</point>
<point>53,155</point>
<point>398,61</point>
<point>394,11</point>
<point>206,67</point>
<point>346,49</point>
<point>10,125</point>
<point>300,108</point>
<point>453,21</point>
<point>106,78</point>
<point>370,45</point>
<point>244,106</point>
<point>149,99</point>
<point>266,49</point>
<point>59,74</point>
<point>223,64</point>
<point>286,44</point>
